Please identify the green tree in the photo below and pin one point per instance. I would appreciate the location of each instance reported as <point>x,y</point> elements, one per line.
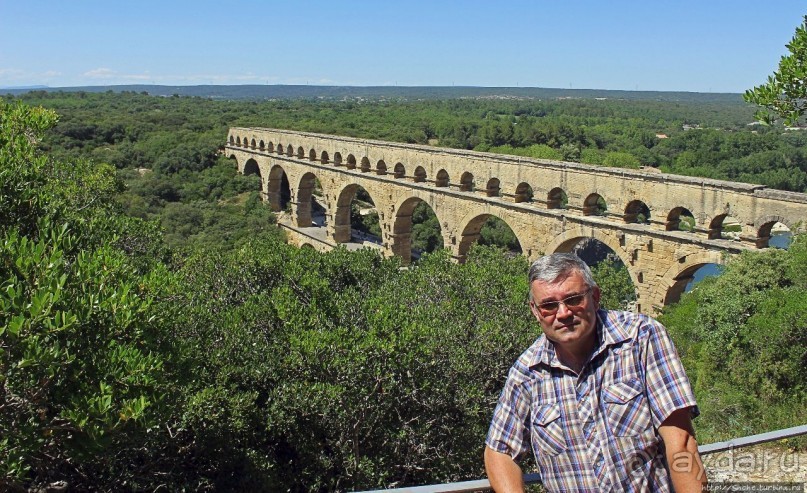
<point>784,95</point>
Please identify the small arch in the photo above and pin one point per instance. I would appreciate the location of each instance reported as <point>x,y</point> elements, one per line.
<point>270,147</point>
<point>300,152</point>
<point>557,199</point>
<point>351,161</point>
<point>262,145</point>
<point>312,155</point>
<point>523,193</point>
<point>467,182</point>
<point>637,212</point>
<point>442,179</point>
<point>775,234</point>
<point>238,142</point>
<point>323,158</point>
<point>290,151</point>
<point>245,142</point>
<point>232,140</point>
<point>725,227</point>
<point>279,148</point>
<point>381,167</point>
<point>400,171</point>
<point>595,205</point>
<point>337,159</point>
<point>680,219</point>
<point>420,175</point>
<point>493,188</point>
<point>253,144</point>
<point>365,164</point>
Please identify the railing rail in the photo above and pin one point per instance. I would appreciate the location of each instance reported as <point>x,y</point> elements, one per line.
<point>533,478</point>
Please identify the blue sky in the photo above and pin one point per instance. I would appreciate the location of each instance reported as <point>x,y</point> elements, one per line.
<point>687,45</point>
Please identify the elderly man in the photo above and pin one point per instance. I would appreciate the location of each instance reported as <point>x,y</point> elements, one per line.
<point>601,397</point>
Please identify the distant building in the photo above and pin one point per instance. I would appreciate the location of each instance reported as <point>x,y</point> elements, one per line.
<point>662,136</point>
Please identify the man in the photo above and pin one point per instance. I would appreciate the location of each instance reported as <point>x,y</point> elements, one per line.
<point>601,397</point>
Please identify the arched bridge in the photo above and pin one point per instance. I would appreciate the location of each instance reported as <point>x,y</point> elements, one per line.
<point>549,205</point>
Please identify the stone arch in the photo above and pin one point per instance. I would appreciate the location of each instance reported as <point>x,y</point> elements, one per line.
<point>305,189</point>
<point>337,159</point>
<point>471,226</point>
<point>420,175</point>
<point>557,199</point>
<point>467,182</point>
<point>307,246</point>
<point>672,284</point>
<point>442,180</point>
<point>402,228</point>
<point>278,190</point>
<point>251,168</point>
<point>245,142</point>
<point>238,141</point>
<point>399,170</point>
<point>381,167</point>
<point>493,188</point>
<point>300,153</point>
<point>637,212</point>
<point>262,145</point>
<point>341,216</point>
<point>290,151</point>
<point>595,205</point>
<point>312,155</point>
<point>764,225</point>
<point>323,158</point>
<point>351,161</point>
<point>253,144</point>
<point>718,228</point>
<point>280,148</point>
<point>365,164</point>
<point>566,241</point>
<point>232,140</point>
<point>674,219</point>
<point>270,147</point>
<point>523,193</point>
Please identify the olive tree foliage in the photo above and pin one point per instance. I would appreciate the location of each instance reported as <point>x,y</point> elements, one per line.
<point>784,95</point>
<point>339,371</point>
<point>743,339</point>
<point>79,354</point>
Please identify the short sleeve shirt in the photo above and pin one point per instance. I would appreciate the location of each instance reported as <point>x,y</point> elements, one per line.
<point>596,431</point>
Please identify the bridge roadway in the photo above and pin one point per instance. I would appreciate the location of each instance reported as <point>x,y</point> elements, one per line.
<point>549,205</point>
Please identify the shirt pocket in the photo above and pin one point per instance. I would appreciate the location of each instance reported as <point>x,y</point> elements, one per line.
<point>626,407</point>
<point>547,430</point>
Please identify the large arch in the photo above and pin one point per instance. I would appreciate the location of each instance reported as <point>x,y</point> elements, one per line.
<point>566,241</point>
<point>402,227</point>
<point>305,188</point>
<point>672,284</point>
<point>342,212</point>
<point>765,224</point>
<point>278,191</point>
<point>251,168</point>
<point>470,229</point>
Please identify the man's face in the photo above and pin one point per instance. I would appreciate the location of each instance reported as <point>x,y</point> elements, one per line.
<point>571,326</point>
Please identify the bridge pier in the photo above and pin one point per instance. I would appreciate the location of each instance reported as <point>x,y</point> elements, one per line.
<point>340,233</point>
<point>402,247</point>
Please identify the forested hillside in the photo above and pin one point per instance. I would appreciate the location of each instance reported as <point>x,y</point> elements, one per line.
<point>157,333</point>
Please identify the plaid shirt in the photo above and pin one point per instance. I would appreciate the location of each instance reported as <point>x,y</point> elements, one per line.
<point>597,431</point>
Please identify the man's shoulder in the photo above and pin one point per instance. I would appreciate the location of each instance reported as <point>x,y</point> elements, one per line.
<point>525,364</point>
<point>628,325</point>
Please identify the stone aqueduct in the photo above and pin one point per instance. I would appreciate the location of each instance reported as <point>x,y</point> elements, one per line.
<point>549,205</point>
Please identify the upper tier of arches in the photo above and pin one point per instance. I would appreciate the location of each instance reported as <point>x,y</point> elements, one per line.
<point>685,217</point>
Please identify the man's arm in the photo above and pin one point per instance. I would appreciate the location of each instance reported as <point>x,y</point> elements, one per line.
<point>504,474</point>
<point>684,461</point>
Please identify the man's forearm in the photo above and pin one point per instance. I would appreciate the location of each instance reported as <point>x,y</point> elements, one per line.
<point>504,474</point>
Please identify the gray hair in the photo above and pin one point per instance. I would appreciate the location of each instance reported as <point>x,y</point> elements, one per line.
<point>551,268</point>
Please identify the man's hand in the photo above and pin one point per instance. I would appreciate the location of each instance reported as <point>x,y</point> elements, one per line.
<point>686,469</point>
<point>504,474</point>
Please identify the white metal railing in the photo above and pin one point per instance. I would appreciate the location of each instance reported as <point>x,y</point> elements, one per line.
<point>534,478</point>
